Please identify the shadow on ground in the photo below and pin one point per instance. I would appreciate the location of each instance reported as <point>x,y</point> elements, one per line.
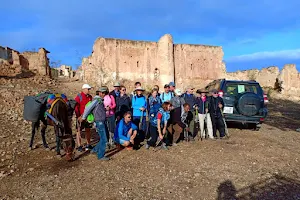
<point>274,188</point>
<point>283,114</point>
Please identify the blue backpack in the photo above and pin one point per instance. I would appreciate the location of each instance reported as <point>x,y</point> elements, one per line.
<point>165,118</point>
<point>153,113</point>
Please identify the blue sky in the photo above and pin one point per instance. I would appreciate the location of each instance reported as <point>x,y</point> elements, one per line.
<point>253,34</point>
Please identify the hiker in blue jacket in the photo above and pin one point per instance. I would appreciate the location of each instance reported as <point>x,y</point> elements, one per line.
<point>166,96</point>
<point>158,126</point>
<point>99,112</point>
<point>139,105</point>
<point>126,131</point>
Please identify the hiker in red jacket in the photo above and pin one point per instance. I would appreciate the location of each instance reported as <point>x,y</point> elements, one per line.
<point>82,99</point>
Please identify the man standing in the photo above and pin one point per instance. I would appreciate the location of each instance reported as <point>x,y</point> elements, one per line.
<point>82,99</point>
<point>203,115</point>
<point>166,95</point>
<point>116,92</point>
<point>214,106</point>
<point>172,88</point>
<point>99,112</point>
<point>190,99</point>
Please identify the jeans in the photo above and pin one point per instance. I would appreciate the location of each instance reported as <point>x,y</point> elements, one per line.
<point>142,132</point>
<point>101,146</point>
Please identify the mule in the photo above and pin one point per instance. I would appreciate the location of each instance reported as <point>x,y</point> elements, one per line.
<point>63,130</point>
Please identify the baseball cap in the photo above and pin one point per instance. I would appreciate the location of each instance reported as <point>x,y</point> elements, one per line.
<point>86,86</point>
<point>172,84</point>
<point>102,89</point>
<point>166,86</point>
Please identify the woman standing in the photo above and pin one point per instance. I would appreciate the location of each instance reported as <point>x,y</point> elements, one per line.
<point>123,103</point>
<point>110,105</point>
<point>158,126</point>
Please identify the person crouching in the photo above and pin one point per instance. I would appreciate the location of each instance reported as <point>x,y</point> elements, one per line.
<point>158,126</point>
<point>126,131</point>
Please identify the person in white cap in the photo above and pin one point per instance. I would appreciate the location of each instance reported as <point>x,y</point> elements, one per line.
<point>177,100</point>
<point>82,99</point>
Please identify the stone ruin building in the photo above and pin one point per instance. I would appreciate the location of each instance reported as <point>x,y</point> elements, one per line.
<point>163,61</point>
<point>152,62</point>
<point>65,71</point>
<point>13,62</point>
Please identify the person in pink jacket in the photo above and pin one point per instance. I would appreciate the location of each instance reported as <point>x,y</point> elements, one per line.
<point>110,106</point>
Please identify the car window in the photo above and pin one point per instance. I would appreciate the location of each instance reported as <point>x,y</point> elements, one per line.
<point>235,88</point>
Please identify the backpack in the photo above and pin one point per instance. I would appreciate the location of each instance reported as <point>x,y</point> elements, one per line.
<point>165,117</point>
<point>35,106</point>
<point>163,95</point>
<point>90,118</point>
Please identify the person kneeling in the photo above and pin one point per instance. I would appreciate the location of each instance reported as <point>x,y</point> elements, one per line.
<point>126,131</point>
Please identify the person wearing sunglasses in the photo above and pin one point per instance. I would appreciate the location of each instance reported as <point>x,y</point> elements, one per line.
<point>214,106</point>
<point>123,103</point>
<point>126,131</point>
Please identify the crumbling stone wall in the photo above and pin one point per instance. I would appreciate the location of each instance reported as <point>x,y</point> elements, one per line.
<point>290,78</point>
<point>151,62</point>
<point>114,59</point>
<point>197,64</point>
<point>36,62</point>
<point>270,76</point>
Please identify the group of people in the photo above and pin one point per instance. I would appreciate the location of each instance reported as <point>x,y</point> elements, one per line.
<point>121,118</point>
<point>126,120</point>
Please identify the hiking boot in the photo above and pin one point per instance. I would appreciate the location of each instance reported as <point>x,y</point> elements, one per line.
<point>174,144</point>
<point>104,159</point>
<point>147,146</point>
<point>47,148</point>
<point>88,147</point>
<point>80,149</point>
<point>93,151</point>
<point>164,146</point>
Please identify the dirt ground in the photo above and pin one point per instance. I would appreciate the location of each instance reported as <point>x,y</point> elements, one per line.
<point>249,165</point>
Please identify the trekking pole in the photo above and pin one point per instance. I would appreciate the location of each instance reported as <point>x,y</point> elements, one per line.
<point>198,121</point>
<point>225,125</point>
<point>158,142</point>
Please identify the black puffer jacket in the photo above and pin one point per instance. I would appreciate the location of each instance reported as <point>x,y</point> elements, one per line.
<point>213,106</point>
<point>123,104</point>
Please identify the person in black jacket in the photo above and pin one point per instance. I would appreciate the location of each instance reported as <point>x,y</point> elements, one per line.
<point>190,98</point>
<point>116,92</point>
<point>203,116</point>
<point>214,106</point>
<point>123,103</point>
<point>179,121</point>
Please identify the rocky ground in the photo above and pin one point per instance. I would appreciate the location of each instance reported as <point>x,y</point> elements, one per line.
<point>249,165</point>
